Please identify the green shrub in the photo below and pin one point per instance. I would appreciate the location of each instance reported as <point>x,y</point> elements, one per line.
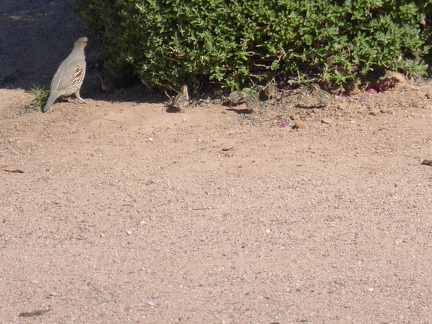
<point>243,42</point>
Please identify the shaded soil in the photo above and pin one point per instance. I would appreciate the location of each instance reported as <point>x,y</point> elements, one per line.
<point>119,211</point>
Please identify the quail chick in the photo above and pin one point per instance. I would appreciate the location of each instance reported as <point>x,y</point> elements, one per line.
<point>271,91</point>
<point>237,97</point>
<point>105,84</point>
<point>321,95</point>
<point>181,101</point>
<point>252,103</point>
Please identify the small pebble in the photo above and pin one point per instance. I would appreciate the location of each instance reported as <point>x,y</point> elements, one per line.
<point>327,121</point>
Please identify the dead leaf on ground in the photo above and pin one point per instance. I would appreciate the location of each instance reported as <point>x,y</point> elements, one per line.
<point>225,149</point>
<point>14,171</point>
<point>427,162</point>
<point>35,313</point>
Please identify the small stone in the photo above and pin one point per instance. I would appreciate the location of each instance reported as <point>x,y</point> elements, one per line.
<point>374,111</point>
<point>341,106</point>
<point>327,121</point>
<point>428,93</point>
<point>298,124</point>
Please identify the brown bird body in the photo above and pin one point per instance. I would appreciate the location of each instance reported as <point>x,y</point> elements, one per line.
<point>237,97</point>
<point>70,74</point>
<point>321,95</point>
<point>271,91</point>
<point>181,101</point>
<point>252,103</point>
<point>105,84</point>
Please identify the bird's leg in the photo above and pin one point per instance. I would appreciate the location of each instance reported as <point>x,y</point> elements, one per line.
<point>77,95</point>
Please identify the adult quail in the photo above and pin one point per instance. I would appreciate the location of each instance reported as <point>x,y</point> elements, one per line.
<point>70,75</point>
<point>181,101</point>
<point>237,97</point>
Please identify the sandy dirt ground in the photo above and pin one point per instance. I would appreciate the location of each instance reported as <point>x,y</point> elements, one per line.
<point>120,211</point>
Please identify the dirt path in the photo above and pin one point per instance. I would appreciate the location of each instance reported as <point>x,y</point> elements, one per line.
<point>120,212</point>
<point>125,213</point>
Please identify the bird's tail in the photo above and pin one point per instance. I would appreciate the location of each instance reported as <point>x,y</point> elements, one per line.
<point>49,103</point>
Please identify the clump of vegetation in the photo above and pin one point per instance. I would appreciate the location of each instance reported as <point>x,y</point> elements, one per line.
<point>40,97</point>
<point>240,43</point>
